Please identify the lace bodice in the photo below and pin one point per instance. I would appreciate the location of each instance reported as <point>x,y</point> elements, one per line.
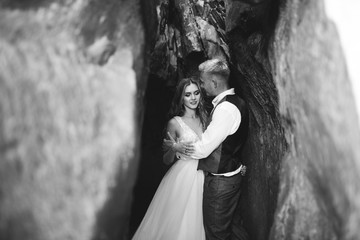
<point>188,135</point>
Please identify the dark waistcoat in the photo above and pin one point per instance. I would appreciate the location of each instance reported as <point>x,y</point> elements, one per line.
<point>226,157</point>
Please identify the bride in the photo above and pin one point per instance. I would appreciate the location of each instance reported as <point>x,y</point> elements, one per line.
<point>175,212</point>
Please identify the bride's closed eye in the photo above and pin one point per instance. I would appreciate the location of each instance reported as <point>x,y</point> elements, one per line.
<point>188,94</point>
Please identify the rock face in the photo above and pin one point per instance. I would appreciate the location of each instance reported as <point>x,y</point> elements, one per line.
<point>71,77</point>
<point>320,181</point>
<point>248,25</point>
<point>304,124</point>
<point>188,33</point>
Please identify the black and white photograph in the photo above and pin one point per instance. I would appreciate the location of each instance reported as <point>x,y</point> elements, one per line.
<point>179,120</point>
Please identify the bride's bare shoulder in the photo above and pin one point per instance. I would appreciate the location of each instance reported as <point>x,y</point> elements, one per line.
<point>173,124</point>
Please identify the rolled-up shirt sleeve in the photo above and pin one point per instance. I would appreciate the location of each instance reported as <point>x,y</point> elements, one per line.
<point>225,121</point>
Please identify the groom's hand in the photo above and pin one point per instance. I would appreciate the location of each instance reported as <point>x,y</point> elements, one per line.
<point>185,148</point>
<point>188,149</point>
<point>243,170</point>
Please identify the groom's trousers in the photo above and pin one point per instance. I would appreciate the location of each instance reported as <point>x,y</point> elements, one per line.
<point>221,196</point>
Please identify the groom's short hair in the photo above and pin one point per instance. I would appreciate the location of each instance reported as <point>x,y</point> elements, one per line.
<point>215,66</point>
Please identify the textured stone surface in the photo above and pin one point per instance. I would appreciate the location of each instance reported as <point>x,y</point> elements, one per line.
<point>69,117</point>
<point>320,178</point>
<point>304,124</point>
<point>248,24</point>
<point>188,33</point>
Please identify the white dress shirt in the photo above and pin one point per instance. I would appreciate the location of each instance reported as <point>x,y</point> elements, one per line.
<point>225,121</point>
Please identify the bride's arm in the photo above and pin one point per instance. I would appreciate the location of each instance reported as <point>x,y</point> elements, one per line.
<point>169,146</point>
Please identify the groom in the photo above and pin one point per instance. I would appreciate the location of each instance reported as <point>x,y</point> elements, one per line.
<point>219,152</point>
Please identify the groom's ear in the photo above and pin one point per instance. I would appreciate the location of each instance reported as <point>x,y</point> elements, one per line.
<point>215,83</point>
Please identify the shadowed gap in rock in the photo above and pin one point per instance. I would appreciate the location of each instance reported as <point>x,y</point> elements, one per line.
<point>251,77</point>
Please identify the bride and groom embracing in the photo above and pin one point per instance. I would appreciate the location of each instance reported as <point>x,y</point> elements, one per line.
<point>198,196</point>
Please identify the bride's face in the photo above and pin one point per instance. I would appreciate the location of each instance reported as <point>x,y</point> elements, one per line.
<point>191,96</point>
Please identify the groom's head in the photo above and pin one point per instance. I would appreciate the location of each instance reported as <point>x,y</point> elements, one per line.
<point>214,76</point>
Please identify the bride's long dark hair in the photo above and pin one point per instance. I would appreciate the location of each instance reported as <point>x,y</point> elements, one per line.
<point>177,106</point>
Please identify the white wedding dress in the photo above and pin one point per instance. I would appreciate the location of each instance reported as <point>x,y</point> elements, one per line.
<point>175,212</point>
